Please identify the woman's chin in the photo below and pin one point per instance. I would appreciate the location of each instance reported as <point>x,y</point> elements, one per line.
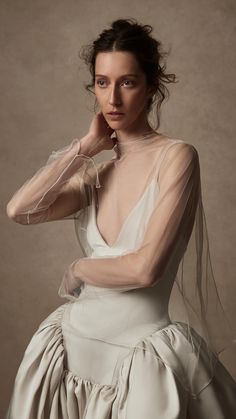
<point>117,125</point>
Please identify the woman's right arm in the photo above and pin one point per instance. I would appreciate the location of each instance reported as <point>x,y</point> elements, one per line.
<point>58,189</point>
<point>55,191</point>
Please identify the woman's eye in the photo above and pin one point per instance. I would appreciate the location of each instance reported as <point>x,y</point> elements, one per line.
<point>101,83</point>
<point>130,83</point>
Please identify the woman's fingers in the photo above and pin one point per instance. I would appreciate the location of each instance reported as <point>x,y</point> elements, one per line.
<point>99,126</point>
<point>100,133</point>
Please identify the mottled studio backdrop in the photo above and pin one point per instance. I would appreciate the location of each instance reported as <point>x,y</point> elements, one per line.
<point>44,105</point>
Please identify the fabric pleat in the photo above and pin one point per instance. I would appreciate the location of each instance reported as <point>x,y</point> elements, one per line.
<point>141,334</point>
<point>152,380</point>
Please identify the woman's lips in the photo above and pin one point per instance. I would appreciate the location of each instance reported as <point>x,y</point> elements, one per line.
<point>115,115</point>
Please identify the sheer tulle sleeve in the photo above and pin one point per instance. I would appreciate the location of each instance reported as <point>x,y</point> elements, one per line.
<point>174,248</point>
<point>57,190</point>
<point>168,230</point>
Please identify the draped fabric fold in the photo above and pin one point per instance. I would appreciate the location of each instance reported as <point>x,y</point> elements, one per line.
<point>141,297</point>
<point>174,248</point>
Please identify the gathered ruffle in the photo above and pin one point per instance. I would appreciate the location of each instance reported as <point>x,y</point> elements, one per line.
<point>40,371</point>
<point>45,389</point>
<point>182,350</point>
<point>154,379</point>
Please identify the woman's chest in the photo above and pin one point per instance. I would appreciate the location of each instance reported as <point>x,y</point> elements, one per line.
<point>127,190</point>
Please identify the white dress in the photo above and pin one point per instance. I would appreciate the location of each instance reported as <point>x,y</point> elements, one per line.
<point>112,354</point>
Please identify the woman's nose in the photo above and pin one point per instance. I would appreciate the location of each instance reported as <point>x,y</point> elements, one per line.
<point>114,96</point>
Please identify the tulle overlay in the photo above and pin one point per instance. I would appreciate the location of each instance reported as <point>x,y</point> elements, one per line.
<point>142,330</point>
<point>146,379</point>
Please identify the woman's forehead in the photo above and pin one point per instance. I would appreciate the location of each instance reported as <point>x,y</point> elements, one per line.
<point>123,62</point>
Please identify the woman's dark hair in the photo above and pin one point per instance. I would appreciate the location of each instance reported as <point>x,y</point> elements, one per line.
<point>129,35</point>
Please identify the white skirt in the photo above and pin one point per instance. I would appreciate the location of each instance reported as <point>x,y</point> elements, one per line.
<point>74,369</point>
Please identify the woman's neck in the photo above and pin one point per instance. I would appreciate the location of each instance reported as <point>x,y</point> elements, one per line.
<point>133,131</point>
<point>135,142</point>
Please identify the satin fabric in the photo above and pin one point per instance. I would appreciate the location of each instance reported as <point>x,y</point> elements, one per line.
<point>111,354</point>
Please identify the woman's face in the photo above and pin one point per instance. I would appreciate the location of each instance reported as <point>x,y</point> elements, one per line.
<point>120,86</point>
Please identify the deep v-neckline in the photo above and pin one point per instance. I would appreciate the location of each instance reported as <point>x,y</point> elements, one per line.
<point>127,219</point>
<point>130,214</point>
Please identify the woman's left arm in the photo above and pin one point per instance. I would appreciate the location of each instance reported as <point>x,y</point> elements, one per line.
<point>173,215</point>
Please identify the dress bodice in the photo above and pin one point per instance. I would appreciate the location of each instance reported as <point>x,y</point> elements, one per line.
<point>132,230</point>
<point>149,304</point>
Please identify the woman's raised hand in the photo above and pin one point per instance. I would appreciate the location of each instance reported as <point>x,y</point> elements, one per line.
<point>99,135</point>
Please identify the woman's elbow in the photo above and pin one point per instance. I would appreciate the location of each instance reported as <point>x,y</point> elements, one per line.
<point>14,215</point>
<point>148,280</point>
<point>11,211</point>
<point>142,271</point>
<point>149,276</point>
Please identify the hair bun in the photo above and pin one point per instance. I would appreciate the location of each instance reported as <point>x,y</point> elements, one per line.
<point>122,24</point>
<point>129,24</point>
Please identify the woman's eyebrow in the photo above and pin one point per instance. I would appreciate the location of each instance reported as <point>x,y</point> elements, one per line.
<point>124,75</point>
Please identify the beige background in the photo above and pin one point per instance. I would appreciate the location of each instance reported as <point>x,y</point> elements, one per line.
<point>44,105</point>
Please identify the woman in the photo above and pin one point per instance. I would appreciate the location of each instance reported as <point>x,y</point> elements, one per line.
<point>114,350</point>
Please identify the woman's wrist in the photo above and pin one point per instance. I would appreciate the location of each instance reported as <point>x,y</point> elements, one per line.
<point>87,146</point>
